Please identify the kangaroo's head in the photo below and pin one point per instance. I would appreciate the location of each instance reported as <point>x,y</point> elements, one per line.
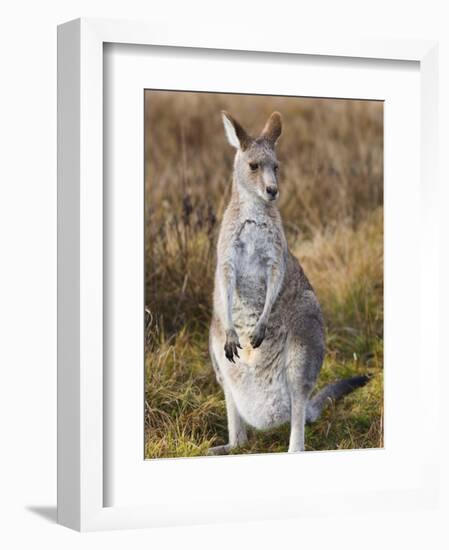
<point>256,164</point>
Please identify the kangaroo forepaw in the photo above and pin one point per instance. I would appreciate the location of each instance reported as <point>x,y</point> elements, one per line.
<point>231,345</point>
<point>258,336</point>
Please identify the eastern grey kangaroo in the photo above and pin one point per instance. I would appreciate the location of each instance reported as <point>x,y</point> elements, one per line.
<point>267,335</point>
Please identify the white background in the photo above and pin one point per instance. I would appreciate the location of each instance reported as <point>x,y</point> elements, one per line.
<point>28,270</point>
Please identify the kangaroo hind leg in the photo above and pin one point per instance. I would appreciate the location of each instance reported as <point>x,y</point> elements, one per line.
<point>305,365</point>
<point>236,427</point>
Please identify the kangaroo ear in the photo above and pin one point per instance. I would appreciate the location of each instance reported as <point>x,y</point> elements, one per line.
<point>235,133</point>
<point>273,128</point>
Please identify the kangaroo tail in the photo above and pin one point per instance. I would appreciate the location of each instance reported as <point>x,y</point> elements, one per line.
<point>333,391</point>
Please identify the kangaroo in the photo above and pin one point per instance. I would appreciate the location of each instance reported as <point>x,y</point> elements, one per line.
<point>266,340</point>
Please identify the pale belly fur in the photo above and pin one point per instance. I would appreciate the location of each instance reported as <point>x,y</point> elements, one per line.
<point>257,380</point>
<point>262,406</point>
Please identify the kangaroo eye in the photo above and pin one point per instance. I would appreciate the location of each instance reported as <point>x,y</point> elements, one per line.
<point>254,166</point>
<point>276,167</point>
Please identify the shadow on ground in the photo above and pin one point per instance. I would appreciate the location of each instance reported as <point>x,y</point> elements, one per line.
<point>47,512</point>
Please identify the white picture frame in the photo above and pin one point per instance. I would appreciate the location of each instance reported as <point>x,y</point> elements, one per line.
<point>82,491</point>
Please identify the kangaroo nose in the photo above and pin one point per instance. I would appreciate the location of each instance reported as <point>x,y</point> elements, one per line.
<point>272,191</point>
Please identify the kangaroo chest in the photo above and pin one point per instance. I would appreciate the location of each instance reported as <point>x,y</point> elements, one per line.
<point>254,250</point>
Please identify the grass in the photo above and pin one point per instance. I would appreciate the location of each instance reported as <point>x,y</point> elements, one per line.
<point>331,202</point>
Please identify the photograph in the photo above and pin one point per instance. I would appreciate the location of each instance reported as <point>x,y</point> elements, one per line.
<point>264,274</point>
<point>230,220</point>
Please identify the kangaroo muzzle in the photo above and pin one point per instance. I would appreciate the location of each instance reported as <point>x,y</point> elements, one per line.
<point>272,192</point>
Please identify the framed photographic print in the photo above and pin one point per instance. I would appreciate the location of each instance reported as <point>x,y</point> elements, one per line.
<point>241,227</point>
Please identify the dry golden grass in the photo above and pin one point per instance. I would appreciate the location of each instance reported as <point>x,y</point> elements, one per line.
<point>331,176</point>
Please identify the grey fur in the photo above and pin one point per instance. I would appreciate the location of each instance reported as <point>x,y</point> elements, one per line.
<point>267,335</point>
<point>334,391</point>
